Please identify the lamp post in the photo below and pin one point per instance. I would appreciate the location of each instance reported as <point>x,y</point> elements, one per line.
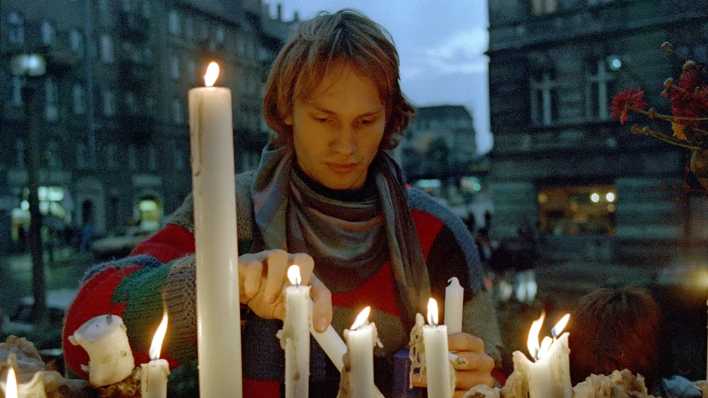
<point>32,67</point>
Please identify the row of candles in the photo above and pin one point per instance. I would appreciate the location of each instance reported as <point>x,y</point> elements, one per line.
<point>218,319</point>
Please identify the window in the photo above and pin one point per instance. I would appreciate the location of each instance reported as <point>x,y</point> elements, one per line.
<point>146,9</point>
<point>76,41</point>
<point>20,151</point>
<point>542,7</point>
<point>106,49</point>
<point>578,209</point>
<point>109,103</point>
<point>16,28</point>
<point>52,156</point>
<point>147,55</point>
<point>104,9</point>
<point>81,155</point>
<point>150,105</point>
<point>112,156</point>
<point>78,99</point>
<point>174,23</point>
<point>220,35</point>
<point>131,103</point>
<point>188,27</point>
<point>52,98</point>
<point>203,31</point>
<point>152,158</point>
<point>132,157</point>
<point>127,5</point>
<point>179,156</point>
<point>598,89</point>
<point>177,112</point>
<point>192,70</point>
<point>174,67</point>
<point>16,91</point>
<point>544,100</point>
<point>48,33</point>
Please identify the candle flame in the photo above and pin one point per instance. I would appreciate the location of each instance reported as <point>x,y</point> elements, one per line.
<point>361,319</point>
<point>560,326</point>
<point>432,312</point>
<point>545,347</point>
<point>294,275</point>
<point>532,341</point>
<point>211,74</point>
<point>11,384</point>
<point>157,339</point>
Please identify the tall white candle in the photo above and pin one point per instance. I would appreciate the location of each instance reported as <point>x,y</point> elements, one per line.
<point>296,336</point>
<point>213,180</point>
<point>11,384</point>
<point>454,294</point>
<point>548,375</point>
<point>153,376</point>
<point>437,364</point>
<point>105,340</point>
<point>361,339</point>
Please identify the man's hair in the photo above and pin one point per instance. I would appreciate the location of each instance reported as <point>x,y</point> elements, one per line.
<point>615,329</point>
<point>346,37</point>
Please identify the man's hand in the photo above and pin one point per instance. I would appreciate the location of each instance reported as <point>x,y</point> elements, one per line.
<point>477,367</point>
<point>263,276</point>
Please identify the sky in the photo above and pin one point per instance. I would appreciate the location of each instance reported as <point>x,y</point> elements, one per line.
<point>441,45</point>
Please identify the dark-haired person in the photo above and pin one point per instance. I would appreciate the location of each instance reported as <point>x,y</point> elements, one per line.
<point>325,186</point>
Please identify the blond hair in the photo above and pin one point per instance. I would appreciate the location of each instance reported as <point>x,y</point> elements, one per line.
<point>345,37</point>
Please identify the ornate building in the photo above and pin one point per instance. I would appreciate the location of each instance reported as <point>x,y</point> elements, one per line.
<point>115,142</point>
<point>595,189</point>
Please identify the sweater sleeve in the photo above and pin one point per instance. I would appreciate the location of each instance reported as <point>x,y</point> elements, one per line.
<point>158,274</point>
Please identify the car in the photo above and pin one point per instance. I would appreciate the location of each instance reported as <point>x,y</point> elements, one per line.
<point>19,321</point>
<point>118,243</point>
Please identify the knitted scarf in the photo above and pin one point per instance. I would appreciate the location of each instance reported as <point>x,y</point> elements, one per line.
<point>343,236</point>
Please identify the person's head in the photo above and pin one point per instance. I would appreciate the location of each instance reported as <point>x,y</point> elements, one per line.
<point>615,329</point>
<point>333,93</point>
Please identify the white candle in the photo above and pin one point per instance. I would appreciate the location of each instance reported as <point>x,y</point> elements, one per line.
<point>361,339</point>
<point>454,294</point>
<point>705,387</point>
<point>213,180</point>
<point>296,336</point>
<point>105,340</point>
<point>548,375</point>
<point>153,376</point>
<point>437,364</point>
<point>11,384</point>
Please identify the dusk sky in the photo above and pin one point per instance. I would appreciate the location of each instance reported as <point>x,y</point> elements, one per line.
<point>441,46</point>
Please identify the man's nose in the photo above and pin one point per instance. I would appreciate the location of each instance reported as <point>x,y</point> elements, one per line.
<point>344,142</point>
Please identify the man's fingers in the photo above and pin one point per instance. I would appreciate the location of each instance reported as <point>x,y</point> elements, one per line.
<point>276,268</point>
<point>465,342</point>
<point>474,361</point>
<point>322,305</point>
<point>251,268</point>
<point>466,379</point>
<point>306,264</point>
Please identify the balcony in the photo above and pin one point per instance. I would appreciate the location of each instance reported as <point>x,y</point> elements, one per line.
<point>134,26</point>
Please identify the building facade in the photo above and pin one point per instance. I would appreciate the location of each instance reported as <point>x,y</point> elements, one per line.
<point>115,139</point>
<point>593,188</point>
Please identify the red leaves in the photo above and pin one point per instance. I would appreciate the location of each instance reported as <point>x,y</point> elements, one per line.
<point>626,101</point>
<point>689,98</point>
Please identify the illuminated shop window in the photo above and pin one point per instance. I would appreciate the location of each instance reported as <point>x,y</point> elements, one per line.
<point>577,209</point>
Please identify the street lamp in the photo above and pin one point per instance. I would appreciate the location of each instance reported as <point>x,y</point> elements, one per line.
<point>31,67</point>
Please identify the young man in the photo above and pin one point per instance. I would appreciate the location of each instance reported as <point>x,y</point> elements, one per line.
<point>326,186</point>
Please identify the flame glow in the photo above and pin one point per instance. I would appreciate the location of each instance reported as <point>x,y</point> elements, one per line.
<point>361,319</point>
<point>294,275</point>
<point>211,74</point>
<point>432,312</point>
<point>157,339</point>
<point>560,326</point>
<point>11,384</point>
<point>532,341</point>
<point>545,347</point>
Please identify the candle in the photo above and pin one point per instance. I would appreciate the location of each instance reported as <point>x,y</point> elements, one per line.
<point>11,384</point>
<point>295,338</point>
<point>361,339</point>
<point>213,181</point>
<point>437,365</point>
<point>453,306</point>
<point>105,340</point>
<point>153,376</point>
<point>548,375</point>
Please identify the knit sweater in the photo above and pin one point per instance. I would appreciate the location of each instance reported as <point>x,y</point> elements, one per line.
<point>160,273</point>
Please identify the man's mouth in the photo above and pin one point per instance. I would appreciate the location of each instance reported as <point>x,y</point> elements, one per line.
<point>342,168</point>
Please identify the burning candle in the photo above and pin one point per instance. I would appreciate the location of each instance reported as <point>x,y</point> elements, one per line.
<point>213,181</point>
<point>153,376</point>
<point>105,340</point>
<point>296,336</point>
<point>548,374</point>
<point>437,365</point>
<point>453,306</point>
<point>361,339</point>
<point>11,384</point>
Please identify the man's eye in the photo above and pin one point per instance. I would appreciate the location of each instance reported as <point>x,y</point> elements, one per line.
<point>321,119</point>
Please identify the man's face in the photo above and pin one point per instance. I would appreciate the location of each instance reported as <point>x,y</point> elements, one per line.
<point>337,129</point>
